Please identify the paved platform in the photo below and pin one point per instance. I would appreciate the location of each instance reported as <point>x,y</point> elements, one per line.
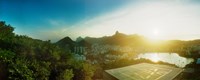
<point>145,71</point>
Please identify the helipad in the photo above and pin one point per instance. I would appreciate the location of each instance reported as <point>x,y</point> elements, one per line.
<point>145,71</point>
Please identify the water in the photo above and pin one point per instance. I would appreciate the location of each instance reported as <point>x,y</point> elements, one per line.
<point>172,58</point>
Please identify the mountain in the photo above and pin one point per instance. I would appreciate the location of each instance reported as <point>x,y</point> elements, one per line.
<point>66,43</point>
<point>117,39</point>
<point>79,39</point>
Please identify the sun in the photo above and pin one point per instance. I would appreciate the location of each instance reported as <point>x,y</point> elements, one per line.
<point>155,32</point>
<point>154,35</point>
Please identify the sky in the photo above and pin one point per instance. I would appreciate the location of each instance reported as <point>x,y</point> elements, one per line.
<point>55,19</point>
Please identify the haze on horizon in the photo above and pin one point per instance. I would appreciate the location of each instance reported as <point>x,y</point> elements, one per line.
<point>55,19</point>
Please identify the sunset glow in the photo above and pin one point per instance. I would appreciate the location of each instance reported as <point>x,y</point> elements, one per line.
<point>154,58</point>
<point>154,19</point>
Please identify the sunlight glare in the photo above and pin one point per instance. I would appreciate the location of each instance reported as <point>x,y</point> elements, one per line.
<point>154,35</point>
<point>154,58</point>
<point>155,32</point>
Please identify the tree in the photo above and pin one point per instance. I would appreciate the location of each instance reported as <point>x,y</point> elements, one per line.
<point>25,58</point>
<point>88,71</point>
<point>6,31</point>
<point>67,74</point>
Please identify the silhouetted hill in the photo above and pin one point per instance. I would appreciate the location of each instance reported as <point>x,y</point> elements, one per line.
<point>118,39</point>
<point>66,40</point>
<point>66,43</point>
<point>79,39</point>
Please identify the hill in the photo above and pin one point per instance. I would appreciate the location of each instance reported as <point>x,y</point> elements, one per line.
<point>118,39</point>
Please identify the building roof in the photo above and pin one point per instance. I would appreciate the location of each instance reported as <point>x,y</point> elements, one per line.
<point>145,71</point>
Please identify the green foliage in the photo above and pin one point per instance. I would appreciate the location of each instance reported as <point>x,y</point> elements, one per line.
<point>67,74</point>
<point>6,31</point>
<point>40,69</point>
<point>6,56</point>
<point>88,71</point>
<point>19,70</point>
<point>24,58</point>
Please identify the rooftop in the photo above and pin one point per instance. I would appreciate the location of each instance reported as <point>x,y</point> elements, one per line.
<point>145,71</point>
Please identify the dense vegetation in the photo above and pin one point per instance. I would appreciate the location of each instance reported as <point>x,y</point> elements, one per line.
<point>24,58</point>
